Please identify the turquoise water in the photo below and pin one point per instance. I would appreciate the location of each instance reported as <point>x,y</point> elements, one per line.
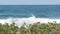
<point>24,11</point>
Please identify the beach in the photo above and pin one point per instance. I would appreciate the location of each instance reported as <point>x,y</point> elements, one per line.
<point>30,19</point>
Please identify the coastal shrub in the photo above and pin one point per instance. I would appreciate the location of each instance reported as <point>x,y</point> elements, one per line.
<point>35,28</point>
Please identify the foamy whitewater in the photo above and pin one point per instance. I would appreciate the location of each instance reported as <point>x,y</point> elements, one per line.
<point>30,20</point>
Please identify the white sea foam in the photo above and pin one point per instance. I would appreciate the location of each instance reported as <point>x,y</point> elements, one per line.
<point>30,20</point>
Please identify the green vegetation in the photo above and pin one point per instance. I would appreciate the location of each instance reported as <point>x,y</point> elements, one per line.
<point>36,28</point>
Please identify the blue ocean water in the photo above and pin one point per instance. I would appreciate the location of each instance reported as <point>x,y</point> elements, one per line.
<point>24,11</point>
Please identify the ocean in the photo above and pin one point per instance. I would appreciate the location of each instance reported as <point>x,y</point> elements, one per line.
<point>29,13</point>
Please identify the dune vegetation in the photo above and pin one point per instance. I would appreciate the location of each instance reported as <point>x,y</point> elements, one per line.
<point>36,28</point>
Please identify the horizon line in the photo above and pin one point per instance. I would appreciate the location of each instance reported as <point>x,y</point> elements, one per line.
<point>30,4</point>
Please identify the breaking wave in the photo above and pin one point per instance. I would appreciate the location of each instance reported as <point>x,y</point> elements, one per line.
<point>30,20</point>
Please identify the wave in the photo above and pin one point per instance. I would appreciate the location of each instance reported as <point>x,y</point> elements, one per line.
<point>30,20</point>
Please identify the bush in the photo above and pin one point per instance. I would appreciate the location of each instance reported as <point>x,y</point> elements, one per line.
<point>36,28</point>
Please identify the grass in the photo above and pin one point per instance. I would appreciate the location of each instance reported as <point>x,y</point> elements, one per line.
<point>36,28</point>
